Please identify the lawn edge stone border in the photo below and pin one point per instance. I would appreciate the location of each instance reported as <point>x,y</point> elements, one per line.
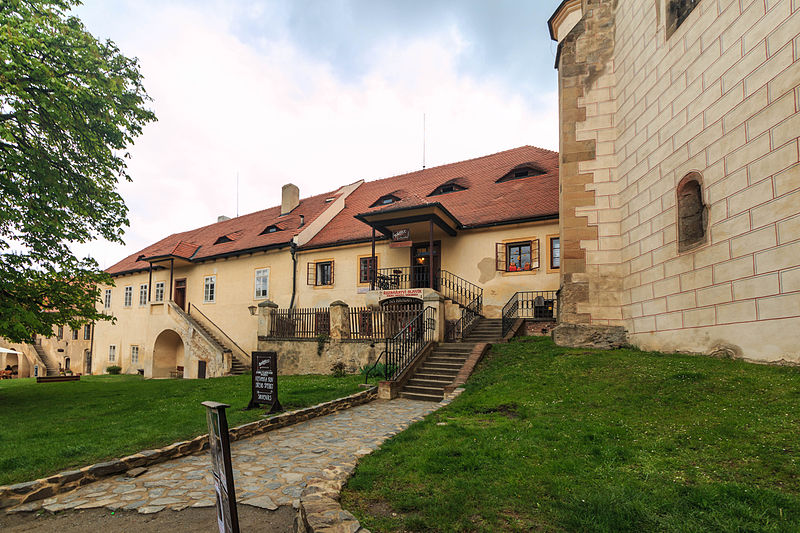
<point>20,493</point>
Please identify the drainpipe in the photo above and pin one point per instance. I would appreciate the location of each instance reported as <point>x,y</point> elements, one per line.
<point>293,251</point>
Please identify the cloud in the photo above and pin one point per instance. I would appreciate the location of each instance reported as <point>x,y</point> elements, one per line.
<point>274,112</point>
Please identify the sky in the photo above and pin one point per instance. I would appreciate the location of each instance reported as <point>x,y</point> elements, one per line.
<point>319,93</point>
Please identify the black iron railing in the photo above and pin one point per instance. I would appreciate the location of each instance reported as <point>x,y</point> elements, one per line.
<point>450,285</point>
<point>301,323</point>
<point>470,314</point>
<point>530,305</point>
<point>403,348</point>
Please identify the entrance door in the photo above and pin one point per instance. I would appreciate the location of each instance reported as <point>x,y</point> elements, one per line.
<point>88,368</point>
<point>201,370</point>
<point>179,293</point>
<point>420,269</point>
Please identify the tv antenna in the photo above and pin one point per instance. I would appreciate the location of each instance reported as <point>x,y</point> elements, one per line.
<point>423,141</point>
<point>237,193</point>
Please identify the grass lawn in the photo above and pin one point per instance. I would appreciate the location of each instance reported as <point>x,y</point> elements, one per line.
<point>552,439</point>
<point>48,427</point>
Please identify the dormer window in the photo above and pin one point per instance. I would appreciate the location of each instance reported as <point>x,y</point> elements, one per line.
<point>385,200</point>
<point>140,258</point>
<point>447,188</point>
<point>522,171</point>
<point>223,240</point>
<point>270,229</point>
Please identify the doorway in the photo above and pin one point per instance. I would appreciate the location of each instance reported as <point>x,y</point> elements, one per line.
<point>201,370</point>
<point>87,369</point>
<point>179,293</point>
<point>420,269</point>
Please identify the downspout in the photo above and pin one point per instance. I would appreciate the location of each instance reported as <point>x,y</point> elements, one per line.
<point>293,251</point>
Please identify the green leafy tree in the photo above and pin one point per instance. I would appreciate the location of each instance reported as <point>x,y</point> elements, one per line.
<point>70,106</point>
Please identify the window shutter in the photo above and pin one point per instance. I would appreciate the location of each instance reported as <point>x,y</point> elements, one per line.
<point>534,254</point>
<point>331,272</point>
<point>500,256</point>
<point>311,275</point>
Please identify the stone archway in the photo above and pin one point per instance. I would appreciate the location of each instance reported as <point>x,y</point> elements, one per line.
<point>12,360</point>
<point>168,354</point>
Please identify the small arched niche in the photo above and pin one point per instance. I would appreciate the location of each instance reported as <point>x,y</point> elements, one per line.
<point>692,213</point>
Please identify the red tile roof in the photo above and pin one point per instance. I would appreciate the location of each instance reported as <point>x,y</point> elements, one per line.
<point>484,202</point>
<point>244,233</point>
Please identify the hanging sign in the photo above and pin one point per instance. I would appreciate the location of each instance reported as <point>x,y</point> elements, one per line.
<point>219,445</point>
<point>400,234</point>
<point>265,381</point>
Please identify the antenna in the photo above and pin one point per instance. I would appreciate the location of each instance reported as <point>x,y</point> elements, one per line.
<point>423,141</point>
<point>237,193</point>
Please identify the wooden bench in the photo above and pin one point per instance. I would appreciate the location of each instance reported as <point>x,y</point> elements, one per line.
<point>56,379</point>
<point>177,373</point>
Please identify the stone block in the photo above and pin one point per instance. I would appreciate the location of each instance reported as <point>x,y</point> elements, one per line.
<point>699,317</point>
<point>754,241</point>
<point>736,312</point>
<point>785,256</point>
<point>585,336</point>
<point>790,280</point>
<point>778,209</point>
<point>756,287</point>
<point>779,306</point>
<point>734,269</point>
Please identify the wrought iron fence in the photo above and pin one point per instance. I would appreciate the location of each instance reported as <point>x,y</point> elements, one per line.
<point>416,277</point>
<point>530,305</point>
<point>301,323</point>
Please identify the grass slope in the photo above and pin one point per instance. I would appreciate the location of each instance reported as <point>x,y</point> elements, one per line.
<point>47,427</point>
<point>552,439</point>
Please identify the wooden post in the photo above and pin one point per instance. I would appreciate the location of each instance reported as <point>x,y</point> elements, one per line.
<point>373,269</point>
<point>150,283</point>
<point>171,267</point>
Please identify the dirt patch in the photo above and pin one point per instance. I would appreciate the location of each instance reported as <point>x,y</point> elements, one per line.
<point>186,521</point>
<point>506,409</point>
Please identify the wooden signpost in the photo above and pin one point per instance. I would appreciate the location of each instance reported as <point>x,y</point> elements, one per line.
<point>219,445</point>
<point>265,381</point>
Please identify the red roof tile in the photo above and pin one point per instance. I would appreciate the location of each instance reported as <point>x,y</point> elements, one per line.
<point>484,201</point>
<point>244,232</point>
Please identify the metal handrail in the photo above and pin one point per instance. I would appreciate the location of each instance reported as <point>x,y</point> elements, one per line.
<point>469,316</point>
<point>372,367</point>
<point>245,354</point>
<point>403,348</point>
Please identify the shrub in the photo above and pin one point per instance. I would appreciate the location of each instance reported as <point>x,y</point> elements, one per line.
<point>338,370</point>
<point>113,369</point>
<point>379,370</point>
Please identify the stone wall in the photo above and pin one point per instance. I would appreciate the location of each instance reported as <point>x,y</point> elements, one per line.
<point>310,356</point>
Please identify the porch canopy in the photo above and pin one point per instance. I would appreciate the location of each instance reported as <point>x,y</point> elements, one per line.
<point>181,255</point>
<point>410,220</point>
<point>6,350</point>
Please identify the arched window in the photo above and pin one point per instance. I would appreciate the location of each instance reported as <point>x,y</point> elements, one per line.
<point>692,213</point>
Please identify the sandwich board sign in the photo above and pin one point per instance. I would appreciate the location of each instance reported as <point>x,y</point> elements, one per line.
<point>219,445</point>
<point>265,381</point>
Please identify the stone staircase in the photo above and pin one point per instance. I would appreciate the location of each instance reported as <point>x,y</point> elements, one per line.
<point>442,365</point>
<point>237,366</point>
<point>51,366</point>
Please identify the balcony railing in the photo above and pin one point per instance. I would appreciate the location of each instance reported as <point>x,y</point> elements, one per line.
<point>455,288</point>
<point>530,305</point>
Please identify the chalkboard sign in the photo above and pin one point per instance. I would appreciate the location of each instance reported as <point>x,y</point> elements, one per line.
<point>221,468</point>
<point>265,381</point>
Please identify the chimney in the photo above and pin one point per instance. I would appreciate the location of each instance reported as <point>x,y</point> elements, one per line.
<point>222,218</point>
<point>290,198</point>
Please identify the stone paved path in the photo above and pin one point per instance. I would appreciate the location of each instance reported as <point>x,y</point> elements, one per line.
<point>270,469</point>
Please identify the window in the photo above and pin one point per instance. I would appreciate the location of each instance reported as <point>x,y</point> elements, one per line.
<point>366,266</point>
<point>555,253</point>
<point>143,294</point>
<point>210,289</point>
<point>74,334</point>
<point>60,332</point>
<point>134,355</point>
<point>112,353</point>
<point>262,283</point>
<point>223,240</point>
<point>270,229</point>
<point>677,12</point>
<point>385,200</point>
<point>320,273</point>
<point>522,171</point>
<point>128,296</point>
<point>518,256</point>
<point>87,332</point>
<point>692,213</point>
<point>159,291</point>
<point>107,299</point>
<point>447,188</point>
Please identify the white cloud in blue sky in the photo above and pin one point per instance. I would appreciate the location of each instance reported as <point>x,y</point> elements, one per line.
<point>318,93</point>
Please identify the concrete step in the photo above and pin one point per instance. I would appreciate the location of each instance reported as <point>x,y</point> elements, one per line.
<point>419,382</point>
<point>432,391</point>
<point>443,366</point>
<point>422,397</point>
<point>437,359</point>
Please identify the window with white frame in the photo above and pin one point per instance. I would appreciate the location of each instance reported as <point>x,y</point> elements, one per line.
<point>143,294</point>
<point>262,283</point>
<point>134,355</point>
<point>107,299</point>
<point>159,295</point>
<point>210,289</point>
<point>128,296</point>
<point>112,353</point>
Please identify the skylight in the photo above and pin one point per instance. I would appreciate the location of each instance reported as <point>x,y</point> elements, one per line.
<point>447,188</point>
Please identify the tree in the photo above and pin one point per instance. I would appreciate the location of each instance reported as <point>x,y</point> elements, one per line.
<point>70,106</point>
